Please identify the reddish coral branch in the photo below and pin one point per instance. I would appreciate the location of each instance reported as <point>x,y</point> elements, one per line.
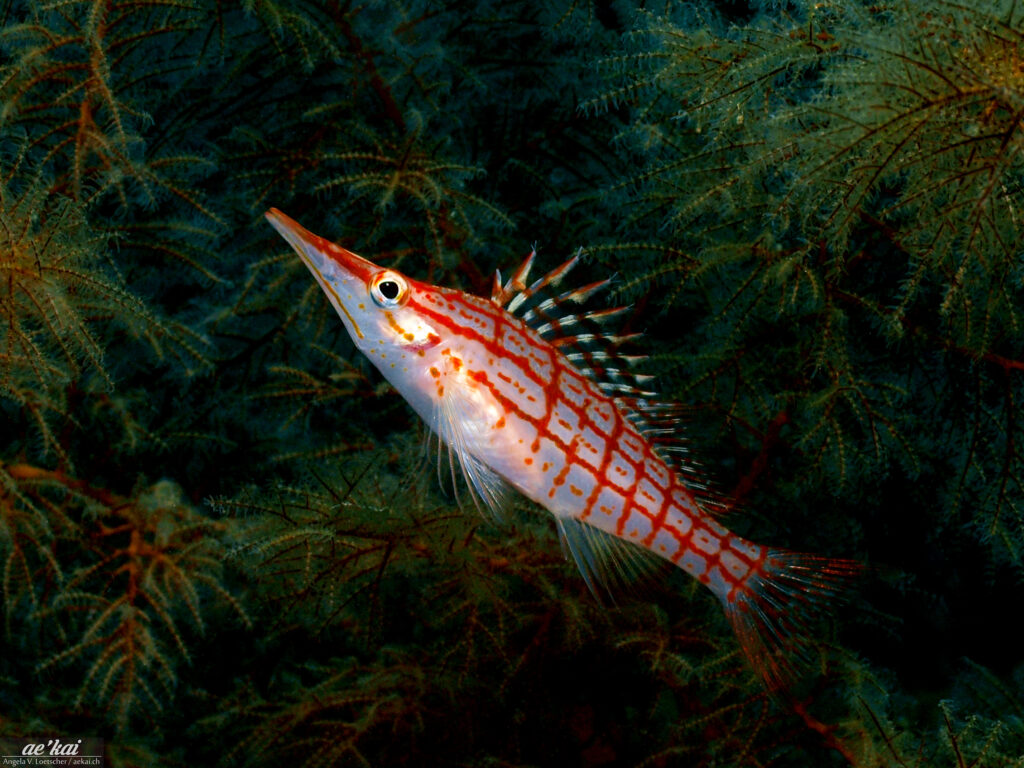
<point>377,83</point>
<point>769,440</point>
<point>827,732</point>
<point>1006,363</point>
<point>30,473</point>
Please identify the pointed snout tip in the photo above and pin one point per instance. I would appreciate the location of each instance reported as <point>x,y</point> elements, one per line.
<point>284,223</point>
<point>300,238</point>
<point>276,214</point>
<point>315,250</point>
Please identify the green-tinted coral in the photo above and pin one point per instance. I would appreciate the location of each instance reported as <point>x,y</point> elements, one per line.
<point>221,542</point>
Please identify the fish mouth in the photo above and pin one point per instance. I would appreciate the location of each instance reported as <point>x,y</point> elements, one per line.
<point>331,265</point>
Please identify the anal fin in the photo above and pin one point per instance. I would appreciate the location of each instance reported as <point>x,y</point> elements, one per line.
<point>609,565</point>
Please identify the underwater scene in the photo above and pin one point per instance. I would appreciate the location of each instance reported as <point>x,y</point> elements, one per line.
<point>228,536</point>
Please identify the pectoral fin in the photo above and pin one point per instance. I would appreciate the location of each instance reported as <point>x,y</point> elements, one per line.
<point>455,423</point>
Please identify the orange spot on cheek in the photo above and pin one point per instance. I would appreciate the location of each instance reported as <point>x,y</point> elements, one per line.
<point>575,491</point>
<point>501,423</point>
<point>528,461</point>
<point>434,372</point>
<point>395,326</point>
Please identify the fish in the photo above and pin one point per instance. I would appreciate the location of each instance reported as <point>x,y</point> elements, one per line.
<point>528,394</point>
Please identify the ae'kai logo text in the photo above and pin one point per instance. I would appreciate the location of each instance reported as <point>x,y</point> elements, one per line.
<point>52,747</point>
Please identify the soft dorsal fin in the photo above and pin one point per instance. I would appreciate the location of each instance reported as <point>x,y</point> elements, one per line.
<point>661,424</point>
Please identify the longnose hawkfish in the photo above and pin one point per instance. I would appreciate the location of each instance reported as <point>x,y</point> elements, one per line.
<point>522,397</point>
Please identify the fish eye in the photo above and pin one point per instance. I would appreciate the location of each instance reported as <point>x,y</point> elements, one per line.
<point>388,289</point>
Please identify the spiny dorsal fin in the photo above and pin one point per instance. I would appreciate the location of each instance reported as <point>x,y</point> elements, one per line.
<point>581,334</point>
<point>514,293</point>
<point>502,294</point>
<point>562,319</point>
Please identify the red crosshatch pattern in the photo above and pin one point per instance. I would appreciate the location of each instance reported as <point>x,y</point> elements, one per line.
<point>580,456</point>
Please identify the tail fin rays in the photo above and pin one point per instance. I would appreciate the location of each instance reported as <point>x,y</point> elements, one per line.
<point>773,611</point>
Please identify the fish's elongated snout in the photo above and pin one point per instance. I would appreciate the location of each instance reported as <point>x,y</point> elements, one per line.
<point>343,275</point>
<point>301,239</point>
<point>325,259</point>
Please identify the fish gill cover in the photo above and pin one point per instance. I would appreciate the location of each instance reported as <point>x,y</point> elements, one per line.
<point>219,545</point>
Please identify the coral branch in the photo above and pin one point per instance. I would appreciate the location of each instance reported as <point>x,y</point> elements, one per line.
<point>827,733</point>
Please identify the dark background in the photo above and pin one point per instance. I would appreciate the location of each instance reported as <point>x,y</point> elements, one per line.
<point>220,541</point>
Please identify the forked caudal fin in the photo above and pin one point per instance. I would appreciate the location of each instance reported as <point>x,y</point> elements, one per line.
<point>773,610</point>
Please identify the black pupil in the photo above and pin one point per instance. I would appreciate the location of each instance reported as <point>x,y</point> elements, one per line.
<point>388,289</point>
